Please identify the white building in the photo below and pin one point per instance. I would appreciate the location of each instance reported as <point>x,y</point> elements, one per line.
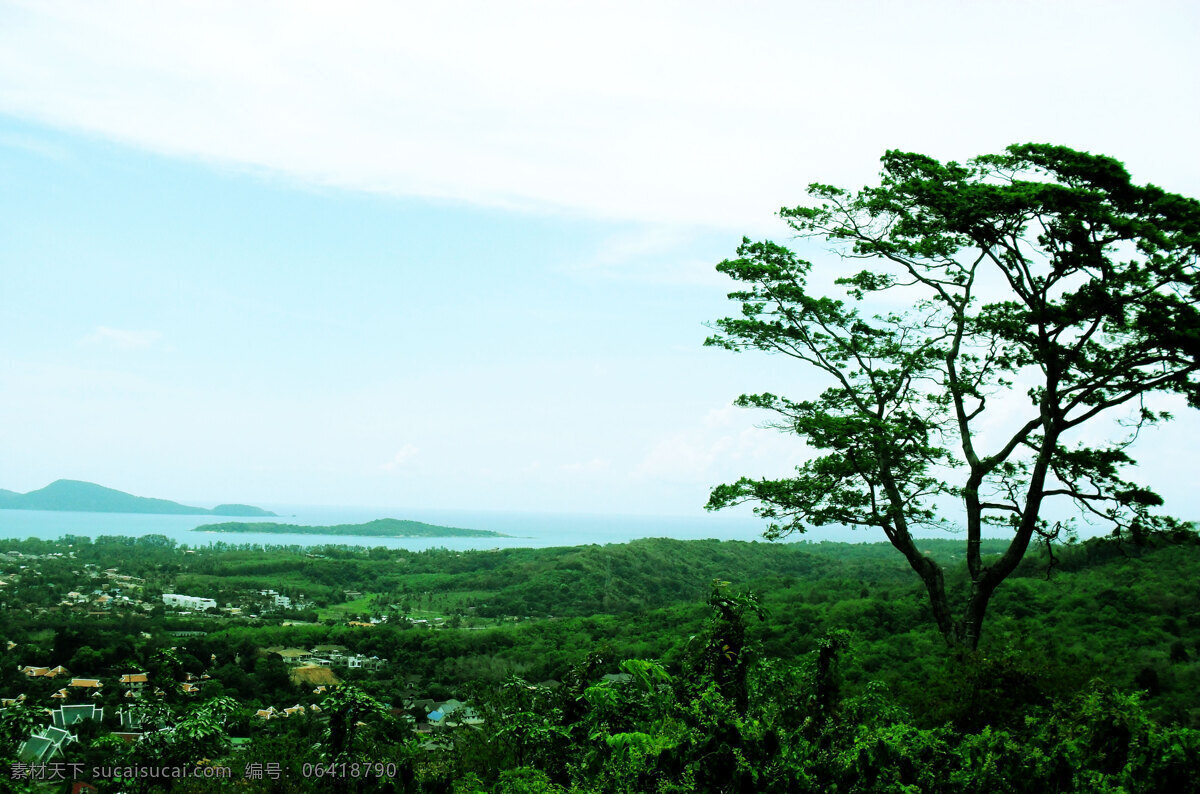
<point>358,661</point>
<point>188,602</point>
<point>281,601</point>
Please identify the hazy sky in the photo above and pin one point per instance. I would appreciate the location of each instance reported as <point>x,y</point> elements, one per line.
<point>461,255</point>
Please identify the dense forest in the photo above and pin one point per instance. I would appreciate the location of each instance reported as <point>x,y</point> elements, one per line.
<point>657,665</point>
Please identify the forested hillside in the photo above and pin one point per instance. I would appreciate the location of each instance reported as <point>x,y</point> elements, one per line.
<point>801,666</point>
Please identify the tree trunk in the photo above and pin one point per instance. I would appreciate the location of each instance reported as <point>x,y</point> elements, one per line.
<point>970,628</point>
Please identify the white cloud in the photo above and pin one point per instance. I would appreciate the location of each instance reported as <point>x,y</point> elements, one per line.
<point>711,114</point>
<point>121,339</point>
<point>653,255</point>
<point>724,444</point>
<point>401,458</point>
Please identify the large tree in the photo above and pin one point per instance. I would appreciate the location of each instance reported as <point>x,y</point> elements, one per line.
<point>1040,284</point>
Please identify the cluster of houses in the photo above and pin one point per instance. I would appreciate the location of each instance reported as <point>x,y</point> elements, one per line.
<point>135,685</point>
<point>327,656</point>
<point>99,601</point>
<point>423,715</point>
<point>440,714</point>
<point>105,590</point>
<point>272,713</point>
<point>111,589</point>
<point>286,602</point>
<point>48,741</point>
<point>80,699</point>
<point>273,601</point>
<point>16,556</point>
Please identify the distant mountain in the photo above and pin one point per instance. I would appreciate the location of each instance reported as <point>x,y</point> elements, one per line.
<point>87,497</point>
<point>379,528</point>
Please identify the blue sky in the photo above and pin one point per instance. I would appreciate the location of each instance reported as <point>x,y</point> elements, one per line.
<point>373,255</point>
<point>215,334</point>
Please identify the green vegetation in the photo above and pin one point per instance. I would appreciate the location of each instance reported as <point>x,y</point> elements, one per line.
<point>819,668</point>
<point>379,528</point>
<point>669,666</point>
<point>1041,269</point>
<point>348,609</point>
<point>78,496</point>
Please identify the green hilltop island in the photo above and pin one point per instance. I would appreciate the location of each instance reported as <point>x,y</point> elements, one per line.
<point>379,528</point>
<point>87,497</point>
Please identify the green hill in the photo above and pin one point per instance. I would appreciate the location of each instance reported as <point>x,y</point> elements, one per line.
<point>379,528</point>
<point>78,496</point>
<point>8,497</point>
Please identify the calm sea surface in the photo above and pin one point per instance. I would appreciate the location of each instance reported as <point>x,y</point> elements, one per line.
<point>526,529</point>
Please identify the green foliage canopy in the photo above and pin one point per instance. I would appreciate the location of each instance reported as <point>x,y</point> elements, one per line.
<point>1041,268</point>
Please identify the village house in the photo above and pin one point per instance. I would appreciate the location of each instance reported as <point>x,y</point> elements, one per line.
<point>332,654</point>
<point>281,601</point>
<point>271,713</point>
<point>360,662</point>
<point>131,718</point>
<point>66,716</point>
<point>291,655</point>
<point>44,745</point>
<point>90,686</point>
<point>188,602</point>
<point>134,683</point>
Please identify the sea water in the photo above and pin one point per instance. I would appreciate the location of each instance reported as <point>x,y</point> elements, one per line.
<point>530,530</point>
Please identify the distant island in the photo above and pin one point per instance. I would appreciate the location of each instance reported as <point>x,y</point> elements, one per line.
<point>379,528</point>
<point>87,497</point>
